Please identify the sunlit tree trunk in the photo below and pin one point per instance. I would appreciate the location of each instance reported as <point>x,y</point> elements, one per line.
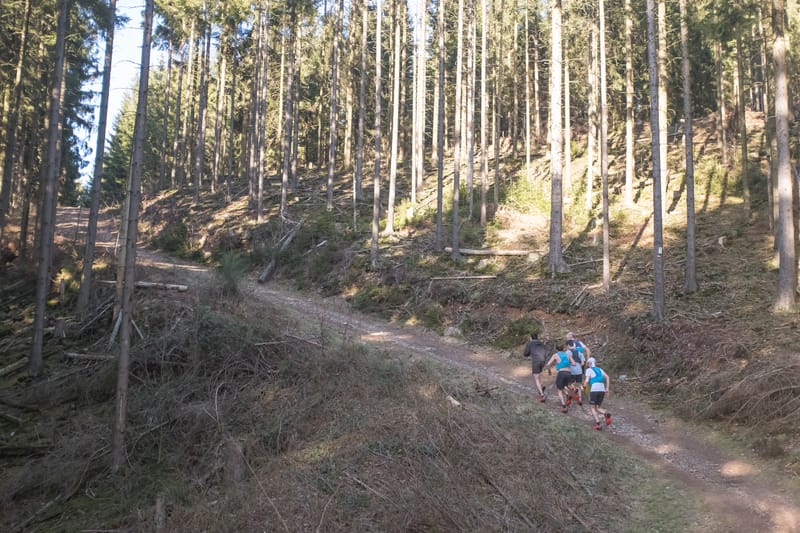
<point>176,172</point>
<point>659,311</point>
<point>188,105</point>
<point>527,101</point>
<point>97,177</point>
<point>513,62</point>
<point>690,281</point>
<point>287,115</point>
<point>604,142</point>
<point>630,155</point>
<point>456,253</point>
<point>470,108</point>
<point>556,261</point>
<point>537,104</point>
<point>358,175</point>
<point>334,113</point>
<point>722,123</point>
<point>49,193</point>
<point>591,137</point>
<point>567,123</point>
<point>742,125</point>
<point>785,238</point>
<point>376,183</point>
<point>202,112</point>
<point>484,105</point>
<point>118,455</point>
<point>219,112</point>
<point>663,104</point>
<point>389,229</point>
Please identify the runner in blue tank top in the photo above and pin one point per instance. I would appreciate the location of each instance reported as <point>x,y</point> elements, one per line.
<point>562,360</point>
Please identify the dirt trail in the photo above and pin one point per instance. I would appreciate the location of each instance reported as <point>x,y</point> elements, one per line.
<point>735,491</point>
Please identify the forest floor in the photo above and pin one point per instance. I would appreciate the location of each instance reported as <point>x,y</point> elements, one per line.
<point>736,490</point>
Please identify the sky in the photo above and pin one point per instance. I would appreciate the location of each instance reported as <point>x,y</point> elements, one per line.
<point>126,59</point>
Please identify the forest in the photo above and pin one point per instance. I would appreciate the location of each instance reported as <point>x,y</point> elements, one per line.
<point>376,149</point>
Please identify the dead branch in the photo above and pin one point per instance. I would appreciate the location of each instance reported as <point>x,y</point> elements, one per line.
<point>462,277</point>
<point>11,418</point>
<point>508,500</point>
<point>309,341</point>
<point>89,357</point>
<point>370,489</point>
<point>284,243</point>
<point>13,367</point>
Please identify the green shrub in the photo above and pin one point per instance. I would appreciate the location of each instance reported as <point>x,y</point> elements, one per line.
<point>516,333</point>
<point>173,238</point>
<point>232,269</point>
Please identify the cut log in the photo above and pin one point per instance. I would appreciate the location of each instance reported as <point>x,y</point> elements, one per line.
<point>462,277</point>
<point>151,285</point>
<point>490,251</point>
<point>89,356</point>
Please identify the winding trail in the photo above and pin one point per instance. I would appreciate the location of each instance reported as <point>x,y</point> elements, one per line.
<point>735,493</point>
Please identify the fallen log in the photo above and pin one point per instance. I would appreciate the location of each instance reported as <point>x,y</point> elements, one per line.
<point>462,277</point>
<point>151,285</point>
<point>89,356</point>
<point>490,251</point>
<point>285,242</point>
<point>13,366</point>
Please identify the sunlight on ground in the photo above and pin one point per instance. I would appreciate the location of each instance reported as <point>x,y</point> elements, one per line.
<point>737,469</point>
<point>664,449</point>
<point>785,519</point>
<point>521,371</point>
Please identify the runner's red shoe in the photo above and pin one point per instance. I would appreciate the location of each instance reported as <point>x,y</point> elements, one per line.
<point>608,419</point>
<point>564,409</point>
<point>597,426</point>
<point>541,398</point>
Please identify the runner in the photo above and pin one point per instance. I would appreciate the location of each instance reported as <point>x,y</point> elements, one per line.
<point>537,351</point>
<point>580,346</point>
<point>600,385</point>
<point>562,359</point>
<point>576,372</point>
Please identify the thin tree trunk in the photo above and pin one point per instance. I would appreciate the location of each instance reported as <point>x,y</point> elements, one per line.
<point>12,122</point>
<point>49,192</point>
<point>134,195</point>
<point>567,119</point>
<point>438,245</point>
<point>743,126</point>
<point>604,143</point>
<point>97,178</point>
<point>786,296</point>
<point>591,138</point>
<point>376,183</point>
<point>199,157</point>
<point>663,104</point>
<point>470,108</point>
<point>456,254</point>
<point>537,104</point>
<point>334,113</point>
<point>527,102</point>
<point>177,161</point>
<point>287,115</point>
<point>188,106</point>
<point>630,155</point>
<point>659,311</point>
<point>556,261</point>
<point>358,175</point>
<point>219,111</point>
<point>393,163</point>
<point>484,111</point>
<point>722,124</point>
<point>690,281</point>
<point>162,157</point>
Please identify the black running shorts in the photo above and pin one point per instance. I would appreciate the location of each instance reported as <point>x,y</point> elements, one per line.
<point>596,398</point>
<point>538,366</point>
<point>563,379</point>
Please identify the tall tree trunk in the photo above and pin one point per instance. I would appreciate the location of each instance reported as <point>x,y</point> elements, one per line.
<point>188,105</point>
<point>604,143</point>
<point>567,119</point>
<point>199,157</point>
<point>690,281</point>
<point>514,64</point>
<point>556,261</point>
<point>630,155</point>
<point>470,108</point>
<point>129,279</point>
<point>358,175</point>
<point>659,311</point>
<point>456,253</point>
<point>722,123</point>
<point>497,75</point>
<point>591,137</point>
<point>347,85</point>
<point>527,102</point>
<point>376,183</point>
<point>334,113</point>
<point>177,161</point>
<point>97,178</point>
<point>287,114</point>
<point>663,103</point>
<point>49,192</point>
<point>743,125</point>
<point>219,109</point>
<point>12,122</point>
<point>393,163</point>
<point>537,104</point>
<point>439,240</point>
<point>162,157</point>
<point>786,296</point>
<point>768,124</point>
<point>484,111</point>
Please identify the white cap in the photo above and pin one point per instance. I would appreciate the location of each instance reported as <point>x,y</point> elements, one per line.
<point>591,361</point>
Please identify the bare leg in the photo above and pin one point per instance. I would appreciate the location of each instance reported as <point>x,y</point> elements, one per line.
<point>537,380</point>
